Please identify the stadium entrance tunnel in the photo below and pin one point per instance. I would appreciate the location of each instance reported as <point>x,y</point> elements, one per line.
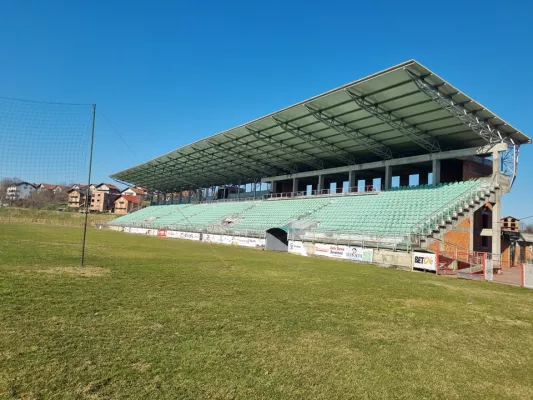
<point>276,240</point>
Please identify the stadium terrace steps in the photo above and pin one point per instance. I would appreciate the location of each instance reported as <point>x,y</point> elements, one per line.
<point>145,215</point>
<point>212,213</point>
<point>394,212</point>
<point>276,213</point>
<point>398,212</point>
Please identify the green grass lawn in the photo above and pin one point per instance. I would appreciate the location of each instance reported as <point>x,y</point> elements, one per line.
<point>163,318</point>
<point>72,218</point>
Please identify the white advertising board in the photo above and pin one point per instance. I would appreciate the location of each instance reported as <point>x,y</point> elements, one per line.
<point>344,252</point>
<point>297,247</point>
<point>183,235</point>
<point>527,279</point>
<point>222,239</point>
<point>140,231</point>
<point>248,242</point>
<point>358,254</point>
<point>322,249</point>
<point>427,261</point>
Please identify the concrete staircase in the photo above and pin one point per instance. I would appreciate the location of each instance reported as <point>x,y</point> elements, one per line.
<point>465,207</point>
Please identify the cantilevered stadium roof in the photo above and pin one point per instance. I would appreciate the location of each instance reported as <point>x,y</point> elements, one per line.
<point>402,111</point>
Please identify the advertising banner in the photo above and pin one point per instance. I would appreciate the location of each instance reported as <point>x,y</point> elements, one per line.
<point>297,247</point>
<point>141,231</point>
<point>359,254</point>
<point>183,235</point>
<point>248,242</point>
<point>161,232</point>
<point>344,252</point>
<point>427,261</point>
<point>222,239</point>
<point>322,249</point>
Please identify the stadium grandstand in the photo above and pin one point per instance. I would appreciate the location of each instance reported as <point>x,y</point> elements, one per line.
<point>399,160</point>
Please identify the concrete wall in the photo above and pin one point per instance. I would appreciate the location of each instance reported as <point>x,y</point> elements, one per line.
<point>473,169</point>
<point>458,236</point>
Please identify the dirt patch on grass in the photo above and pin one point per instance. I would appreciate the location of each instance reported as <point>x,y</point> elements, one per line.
<point>141,367</point>
<point>77,271</point>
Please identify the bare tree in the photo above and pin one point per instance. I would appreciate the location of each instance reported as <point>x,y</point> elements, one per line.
<point>527,228</point>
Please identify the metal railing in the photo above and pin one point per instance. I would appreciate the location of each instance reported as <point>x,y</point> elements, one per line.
<point>444,213</point>
<point>363,239</point>
<point>356,190</point>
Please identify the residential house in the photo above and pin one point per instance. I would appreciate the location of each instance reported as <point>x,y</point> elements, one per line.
<point>41,187</point>
<point>20,191</point>
<point>127,203</point>
<point>107,188</point>
<point>78,186</point>
<point>103,197</point>
<point>135,191</point>
<point>102,201</point>
<point>76,198</point>
<point>60,189</point>
<point>510,224</point>
<point>516,247</point>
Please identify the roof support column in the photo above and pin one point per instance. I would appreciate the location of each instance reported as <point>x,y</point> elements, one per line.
<point>496,162</point>
<point>294,186</point>
<point>172,198</point>
<point>190,195</point>
<point>273,186</point>
<point>496,225</point>
<point>320,184</point>
<point>352,183</point>
<point>436,172</point>
<point>496,208</point>
<point>369,184</point>
<point>388,177</point>
<point>180,197</point>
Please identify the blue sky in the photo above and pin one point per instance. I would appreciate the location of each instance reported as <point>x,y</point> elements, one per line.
<point>166,73</point>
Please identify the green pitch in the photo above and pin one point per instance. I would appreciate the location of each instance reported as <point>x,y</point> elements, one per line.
<point>154,318</point>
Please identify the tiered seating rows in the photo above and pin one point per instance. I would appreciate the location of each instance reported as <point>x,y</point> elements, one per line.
<point>392,212</point>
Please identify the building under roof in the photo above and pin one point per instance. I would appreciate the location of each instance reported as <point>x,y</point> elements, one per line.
<point>404,111</point>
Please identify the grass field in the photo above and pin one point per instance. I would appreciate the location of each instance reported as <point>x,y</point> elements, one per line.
<point>27,215</point>
<point>163,318</point>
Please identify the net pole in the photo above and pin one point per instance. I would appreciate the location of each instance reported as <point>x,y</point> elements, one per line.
<point>88,196</point>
